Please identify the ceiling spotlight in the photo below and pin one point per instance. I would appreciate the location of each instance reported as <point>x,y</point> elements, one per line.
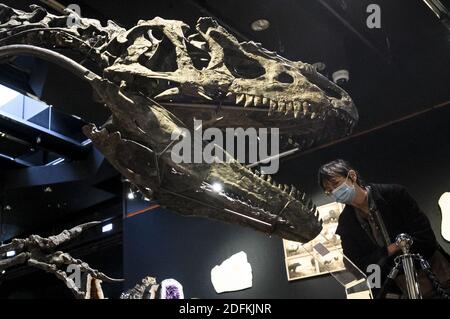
<point>217,187</point>
<point>10,253</point>
<point>3,272</point>
<point>260,25</point>
<point>130,195</point>
<point>340,77</point>
<point>8,208</point>
<point>48,189</point>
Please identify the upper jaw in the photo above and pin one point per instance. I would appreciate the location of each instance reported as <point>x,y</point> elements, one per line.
<point>290,108</point>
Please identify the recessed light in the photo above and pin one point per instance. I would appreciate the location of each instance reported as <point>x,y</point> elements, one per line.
<point>107,227</point>
<point>260,25</point>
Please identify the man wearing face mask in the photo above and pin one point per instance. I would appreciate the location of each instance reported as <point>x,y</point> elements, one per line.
<point>373,216</point>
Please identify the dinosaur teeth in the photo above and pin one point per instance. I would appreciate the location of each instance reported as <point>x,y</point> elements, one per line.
<point>168,93</point>
<point>305,107</point>
<point>273,104</point>
<point>248,100</point>
<point>296,113</point>
<point>297,106</point>
<point>313,115</point>
<point>281,106</point>
<point>269,178</point>
<point>240,98</point>
<point>293,191</point>
<point>257,100</point>
<point>265,101</point>
<point>289,107</point>
<point>229,94</point>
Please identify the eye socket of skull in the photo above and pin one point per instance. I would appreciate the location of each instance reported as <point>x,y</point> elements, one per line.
<point>161,57</point>
<point>239,64</point>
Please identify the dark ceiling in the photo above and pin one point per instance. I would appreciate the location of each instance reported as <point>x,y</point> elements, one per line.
<point>397,70</point>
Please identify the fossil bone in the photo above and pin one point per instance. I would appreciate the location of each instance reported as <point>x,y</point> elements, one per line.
<point>164,60</point>
<point>39,252</point>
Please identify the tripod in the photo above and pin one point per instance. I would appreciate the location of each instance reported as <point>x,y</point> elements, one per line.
<point>406,262</point>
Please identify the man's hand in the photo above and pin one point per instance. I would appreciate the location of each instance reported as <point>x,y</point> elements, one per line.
<point>393,249</point>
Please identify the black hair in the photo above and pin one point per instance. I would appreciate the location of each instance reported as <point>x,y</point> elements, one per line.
<point>335,168</point>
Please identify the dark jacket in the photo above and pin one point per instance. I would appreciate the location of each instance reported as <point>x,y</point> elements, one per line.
<point>401,214</point>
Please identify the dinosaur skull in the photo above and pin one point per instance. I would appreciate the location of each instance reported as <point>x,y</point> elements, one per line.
<point>207,66</point>
<point>160,59</point>
<point>254,87</point>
